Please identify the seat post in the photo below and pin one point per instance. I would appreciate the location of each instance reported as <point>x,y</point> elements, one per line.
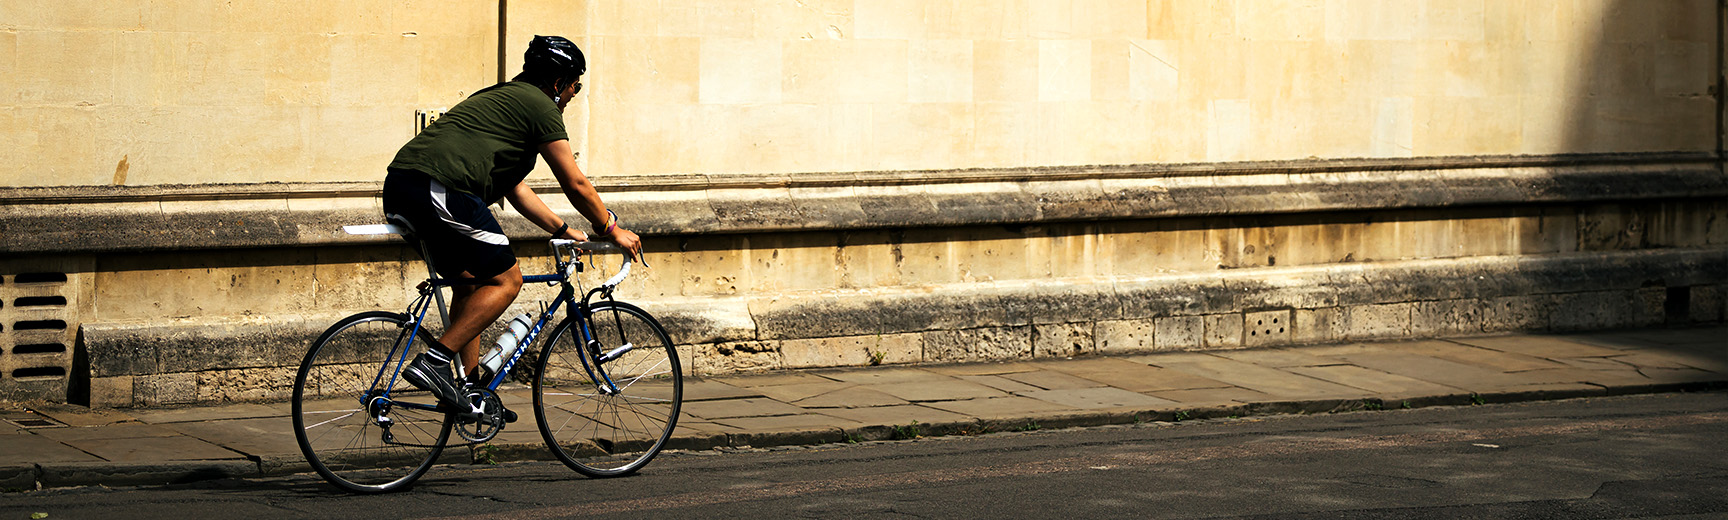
<point>437,293</point>
<point>406,231</point>
<point>396,225</point>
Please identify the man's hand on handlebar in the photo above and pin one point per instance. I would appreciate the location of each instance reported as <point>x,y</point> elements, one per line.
<point>626,239</point>
<point>573,234</point>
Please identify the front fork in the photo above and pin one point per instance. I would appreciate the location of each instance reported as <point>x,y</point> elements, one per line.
<point>603,381</point>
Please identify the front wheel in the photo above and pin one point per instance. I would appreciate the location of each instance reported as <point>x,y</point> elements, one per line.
<point>608,419</point>
<point>357,431</point>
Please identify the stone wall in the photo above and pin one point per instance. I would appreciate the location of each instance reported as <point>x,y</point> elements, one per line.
<point>907,267</point>
<point>189,92</point>
<point>842,182</point>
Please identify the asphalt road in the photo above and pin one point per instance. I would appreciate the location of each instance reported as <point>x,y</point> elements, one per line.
<point>1656,456</point>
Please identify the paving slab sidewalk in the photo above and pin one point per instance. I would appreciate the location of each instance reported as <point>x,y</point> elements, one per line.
<point>48,445</point>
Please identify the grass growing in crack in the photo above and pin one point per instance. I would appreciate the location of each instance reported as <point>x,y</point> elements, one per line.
<point>908,432</point>
<point>853,438</point>
<point>1406,405</point>
<point>1183,415</point>
<point>486,454</point>
<point>1030,426</point>
<point>877,356</point>
<point>1477,400</point>
<point>975,430</point>
<point>1373,405</point>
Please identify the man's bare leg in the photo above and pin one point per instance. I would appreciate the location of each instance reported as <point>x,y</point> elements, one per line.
<point>473,308</point>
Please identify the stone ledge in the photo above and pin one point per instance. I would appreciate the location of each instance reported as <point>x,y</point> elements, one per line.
<point>1341,302</point>
<point>688,182</point>
<point>72,219</point>
<point>971,306</point>
<point>193,345</point>
<point>216,343</point>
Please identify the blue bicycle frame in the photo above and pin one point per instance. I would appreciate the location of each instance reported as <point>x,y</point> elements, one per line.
<point>566,295</point>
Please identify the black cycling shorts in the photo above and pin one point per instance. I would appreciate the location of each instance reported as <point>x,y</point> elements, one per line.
<point>457,228</point>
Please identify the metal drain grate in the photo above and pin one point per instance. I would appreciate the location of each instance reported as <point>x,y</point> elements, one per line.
<point>29,419</point>
<point>37,329</point>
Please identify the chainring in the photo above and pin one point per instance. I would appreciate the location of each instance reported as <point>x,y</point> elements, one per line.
<point>491,417</point>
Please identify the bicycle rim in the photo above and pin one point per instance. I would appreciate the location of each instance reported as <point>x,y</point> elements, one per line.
<point>602,435</point>
<point>337,414</point>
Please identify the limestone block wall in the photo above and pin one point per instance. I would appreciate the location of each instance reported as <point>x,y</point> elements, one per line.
<point>189,92</point>
<point>846,182</point>
<point>934,267</point>
<point>741,87</point>
<point>97,92</point>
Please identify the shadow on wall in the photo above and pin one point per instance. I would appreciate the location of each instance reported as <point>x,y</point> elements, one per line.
<point>1646,83</point>
<point>1649,84</point>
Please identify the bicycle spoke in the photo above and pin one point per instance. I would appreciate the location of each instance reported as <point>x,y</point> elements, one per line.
<point>639,378</point>
<point>331,421</point>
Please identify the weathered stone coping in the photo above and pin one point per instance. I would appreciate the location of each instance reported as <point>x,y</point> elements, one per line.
<point>674,182</point>
<point>1546,292</point>
<point>67,220</point>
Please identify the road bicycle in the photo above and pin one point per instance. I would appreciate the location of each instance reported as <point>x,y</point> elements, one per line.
<point>606,387</point>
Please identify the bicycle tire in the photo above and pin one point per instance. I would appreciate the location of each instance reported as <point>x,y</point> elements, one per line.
<point>602,435</point>
<point>341,438</point>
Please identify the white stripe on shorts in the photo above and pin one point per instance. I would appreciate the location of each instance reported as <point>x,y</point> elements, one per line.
<point>438,195</point>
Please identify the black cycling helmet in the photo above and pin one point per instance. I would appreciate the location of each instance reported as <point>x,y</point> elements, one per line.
<point>553,57</point>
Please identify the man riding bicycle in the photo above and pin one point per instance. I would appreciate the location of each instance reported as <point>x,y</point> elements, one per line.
<point>442,182</point>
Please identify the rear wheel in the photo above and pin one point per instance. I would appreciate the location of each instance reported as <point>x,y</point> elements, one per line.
<point>357,431</point>
<point>594,429</point>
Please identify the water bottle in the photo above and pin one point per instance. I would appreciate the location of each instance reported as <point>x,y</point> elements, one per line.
<point>507,343</point>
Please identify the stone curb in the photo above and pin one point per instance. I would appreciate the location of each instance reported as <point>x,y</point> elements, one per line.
<point>1663,388</point>
<point>511,452</point>
<point>787,438</point>
<point>67,474</point>
<point>282,465</point>
<point>18,477</point>
<point>47,475</point>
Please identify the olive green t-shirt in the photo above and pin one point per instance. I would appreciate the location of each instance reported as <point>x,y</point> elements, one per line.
<point>486,144</point>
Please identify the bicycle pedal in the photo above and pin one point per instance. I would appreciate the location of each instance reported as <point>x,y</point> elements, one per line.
<point>509,415</point>
<point>466,415</point>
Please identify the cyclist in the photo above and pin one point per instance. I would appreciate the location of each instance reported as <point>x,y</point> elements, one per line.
<point>442,182</point>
